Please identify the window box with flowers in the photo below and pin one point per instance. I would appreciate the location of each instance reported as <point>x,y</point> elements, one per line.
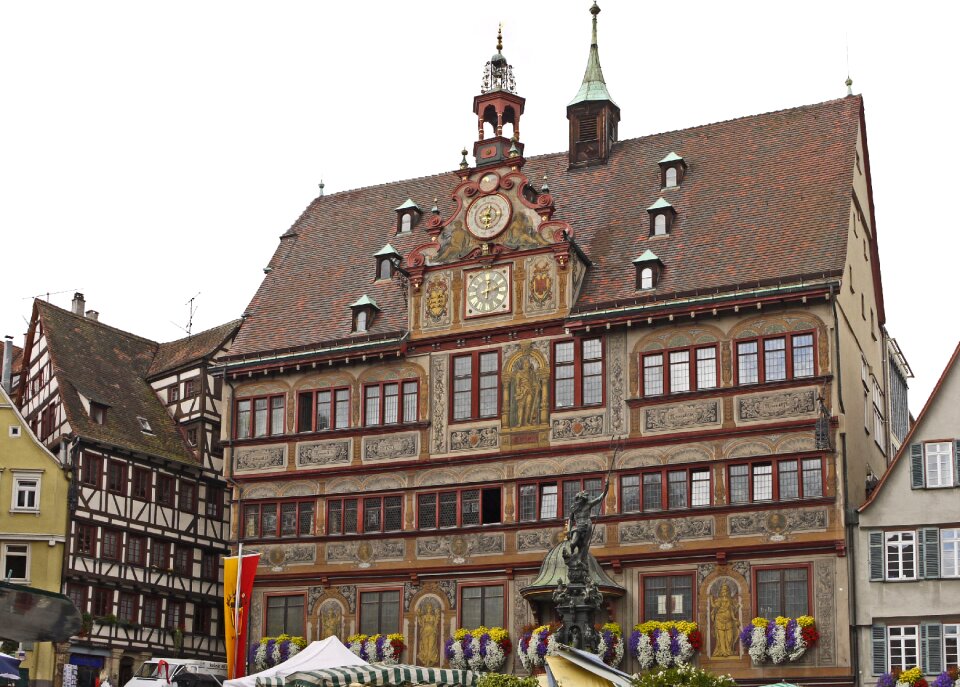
<point>539,642</point>
<point>483,649</point>
<point>272,651</point>
<point>377,648</point>
<point>665,643</point>
<point>779,640</point>
<point>910,678</point>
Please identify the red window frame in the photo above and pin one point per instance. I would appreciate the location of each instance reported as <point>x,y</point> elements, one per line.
<point>136,553</point>
<point>214,501</point>
<point>173,393</point>
<point>187,503</point>
<point>577,365</point>
<point>86,539</point>
<point>183,560</point>
<point>111,544</point>
<point>191,387</point>
<point>559,482</point>
<point>775,464</point>
<point>287,615</point>
<point>152,611</point>
<point>166,490</point>
<point>401,402</point>
<point>665,473</point>
<point>193,436</point>
<point>362,512</point>
<point>48,420</point>
<point>141,483</point>
<point>117,477</point>
<point>422,497</point>
<point>492,622</point>
<point>128,607</point>
<point>175,617</point>
<point>475,385</point>
<point>690,613</point>
<point>271,431</point>
<point>304,525</point>
<point>787,566</point>
<point>379,592</point>
<point>341,516</point>
<point>91,469</point>
<point>789,346</point>
<point>160,554</point>
<point>310,396</point>
<point>209,566</point>
<point>664,366</point>
<point>101,602</point>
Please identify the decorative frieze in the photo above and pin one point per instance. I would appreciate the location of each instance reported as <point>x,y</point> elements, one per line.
<point>778,405</point>
<point>438,387</point>
<point>616,362</point>
<point>825,595</point>
<point>391,447</point>
<point>322,453</point>
<point>259,458</point>
<point>536,540</point>
<point>280,556</point>
<point>669,418</point>
<point>576,427</point>
<point>447,588</point>
<point>474,438</point>
<point>365,553</point>
<point>459,548</point>
<point>666,533</point>
<point>776,525</point>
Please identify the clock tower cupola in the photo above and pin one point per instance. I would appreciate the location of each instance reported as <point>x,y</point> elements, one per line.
<point>498,109</point>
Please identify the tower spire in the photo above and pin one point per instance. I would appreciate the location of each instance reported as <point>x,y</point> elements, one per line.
<point>593,87</point>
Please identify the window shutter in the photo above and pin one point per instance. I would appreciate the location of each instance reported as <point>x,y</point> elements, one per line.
<point>916,466</point>
<point>956,462</point>
<point>879,638</point>
<point>930,552</point>
<point>876,556</point>
<point>931,642</point>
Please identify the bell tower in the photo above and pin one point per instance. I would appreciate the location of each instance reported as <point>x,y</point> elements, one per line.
<point>497,106</point>
<point>592,113</point>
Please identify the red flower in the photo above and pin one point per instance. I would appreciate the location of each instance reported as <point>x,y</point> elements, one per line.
<point>920,683</point>
<point>810,635</point>
<point>507,646</point>
<point>695,639</point>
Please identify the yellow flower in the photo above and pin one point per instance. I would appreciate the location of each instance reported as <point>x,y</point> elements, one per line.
<point>760,622</point>
<point>498,634</point>
<point>910,676</point>
<point>782,621</point>
<point>805,621</point>
<point>395,637</point>
<point>685,626</point>
<point>459,634</point>
<point>357,638</point>
<point>613,628</point>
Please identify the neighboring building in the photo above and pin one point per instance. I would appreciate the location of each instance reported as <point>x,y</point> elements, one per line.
<point>140,423</point>
<point>907,554</point>
<point>11,356</point>
<point>418,392</point>
<point>33,522</point>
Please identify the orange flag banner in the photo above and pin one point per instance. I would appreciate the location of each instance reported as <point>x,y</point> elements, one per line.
<point>238,574</point>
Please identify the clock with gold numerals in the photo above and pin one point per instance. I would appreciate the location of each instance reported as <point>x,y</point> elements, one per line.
<point>487,216</point>
<point>488,291</point>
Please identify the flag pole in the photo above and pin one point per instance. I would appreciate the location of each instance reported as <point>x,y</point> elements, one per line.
<point>237,606</point>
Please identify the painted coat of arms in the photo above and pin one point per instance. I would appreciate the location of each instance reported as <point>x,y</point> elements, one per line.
<point>541,283</point>
<point>435,300</point>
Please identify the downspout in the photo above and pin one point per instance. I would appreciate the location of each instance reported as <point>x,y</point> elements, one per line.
<point>851,522</point>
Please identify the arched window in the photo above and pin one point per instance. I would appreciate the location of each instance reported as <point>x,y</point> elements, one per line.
<point>646,278</point>
<point>406,222</point>
<point>670,177</point>
<point>386,269</point>
<point>361,321</point>
<point>660,225</point>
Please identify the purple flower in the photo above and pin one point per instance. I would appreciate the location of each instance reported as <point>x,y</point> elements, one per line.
<point>791,635</point>
<point>943,680</point>
<point>634,641</point>
<point>655,637</point>
<point>746,636</point>
<point>252,654</point>
<point>674,643</point>
<point>448,649</point>
<point>886,680</point>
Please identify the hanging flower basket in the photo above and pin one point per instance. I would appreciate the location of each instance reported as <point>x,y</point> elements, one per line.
<point>535,645</point>
<point>272,651</point>
<point>610,647</point>
<point>377,648</point>
<point>483,649</point>
<point>666,644</point>
<point>779,640</point>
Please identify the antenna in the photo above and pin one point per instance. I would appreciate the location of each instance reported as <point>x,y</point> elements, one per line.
<point>849,81</point>
<point>193,309</point>
<point>46,296</point>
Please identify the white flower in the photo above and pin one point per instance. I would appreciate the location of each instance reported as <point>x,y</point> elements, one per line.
<point>800,648</point>
<point>495,656</point>
<point>777,651</point>
<point>260,658</point>
<point>664,657</point>
<point>476,661</point>
<point>758,644</point>
<point>686,649</point>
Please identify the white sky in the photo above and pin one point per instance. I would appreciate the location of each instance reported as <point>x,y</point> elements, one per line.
<point>150,151</point>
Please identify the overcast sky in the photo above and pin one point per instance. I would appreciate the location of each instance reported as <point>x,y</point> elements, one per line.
<point>154,151</point>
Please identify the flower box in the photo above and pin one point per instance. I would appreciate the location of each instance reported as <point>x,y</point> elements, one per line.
<point>483,649</point>
<point>377,648</point>
<point>779,640</point>
<point>272,651</point>
<point>666,644</point>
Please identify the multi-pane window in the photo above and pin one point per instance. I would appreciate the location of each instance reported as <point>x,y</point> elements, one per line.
<point>379,612</point>
<point>938,463</point>
<point>214,502</point>
<point>900,549</point>
<point>152,610</point>
<point>879,435</point>
<point>127,607</point>
<point>776,480</point>
<point>101,602</point>
<point>110,546</point>
<point>160,554</point>
<point>90,469</point>
<point>775,358</point>
<point>950,554</point>
<point>191,387</point>
<point>543,501</point>
<point>183,560</point>
<point>141,483</point>
<point>116,477</point>
<point>166,488</point>
<point>15,563</point>
<point>78,595</point>
<point>173,393</point>
<point>286,519</point>
<point>782,591</point>
<point>459,508</point>
<point>202,619</point>
<point>686,369</point>
<point>26,492</point>
<point>382,514</point>
<point>259,417</point>
<point>668,597</point>
<point>476,380</point>
<point>951,645</point>
<point>578,373</point>
<point>342,516</point>
<point>903,646</point>
<point>136,551</point>
<point>86,539</point>
<point>188,496</point>
<point>390,403</point>
<point>481,606</point>
<point>209,566</point>
<point>670,489</point>
<point>323,409</point>
<point>175,619</point>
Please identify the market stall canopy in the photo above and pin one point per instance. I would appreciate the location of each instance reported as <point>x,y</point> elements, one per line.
<point>571,666</point>
<point>319,655</point>
<point>28,614</point>
<point>376,674</point>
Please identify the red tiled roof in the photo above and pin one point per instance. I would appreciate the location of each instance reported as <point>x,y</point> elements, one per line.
<point>192,348</point>
<point>764,198</point>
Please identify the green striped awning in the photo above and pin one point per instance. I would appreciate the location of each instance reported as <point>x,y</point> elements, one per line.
<point>373,674</point>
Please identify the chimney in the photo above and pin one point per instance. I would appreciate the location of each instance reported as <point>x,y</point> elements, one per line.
<point>93,315</point>
<point>78,304</point>
<point>7,364</point>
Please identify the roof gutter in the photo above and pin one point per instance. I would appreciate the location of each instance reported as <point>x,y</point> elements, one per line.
<point>296,356</point>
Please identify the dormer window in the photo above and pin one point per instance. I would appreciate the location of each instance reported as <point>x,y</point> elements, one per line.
<point>649,269</point>
<point>662,215</point>
<point>387,260</point>
<point>98,412</point>
<point>364,309</point>
<point>144,425</point>
<point>672,169</point>
<point>408,215</point>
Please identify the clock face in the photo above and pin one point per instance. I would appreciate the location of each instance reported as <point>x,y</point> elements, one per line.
<point>488,216</point>
<point>488,292</point>
<point>489,182</point>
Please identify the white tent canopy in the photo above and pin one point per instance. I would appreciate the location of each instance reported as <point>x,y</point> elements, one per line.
<point>326,653</point>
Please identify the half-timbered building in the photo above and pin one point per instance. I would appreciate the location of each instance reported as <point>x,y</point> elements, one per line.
<point>140,423</point>
<point>432,369</point>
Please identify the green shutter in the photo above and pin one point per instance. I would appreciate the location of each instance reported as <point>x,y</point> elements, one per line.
<point>876,556</point>
<point>931,643</point>
<point>929,563</point>
<point>879,639</point>
<point>916,466</point>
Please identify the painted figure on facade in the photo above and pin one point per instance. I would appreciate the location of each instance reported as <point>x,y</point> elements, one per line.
<point>725,619</point>
<point>527,394</point>
<point>428,629</point>
<point>330,617</point>
<point>580,526</point>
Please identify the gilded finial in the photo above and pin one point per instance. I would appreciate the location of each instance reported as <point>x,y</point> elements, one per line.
<point>849,84</point>
<point>514,151</point>
<point>545,188</point>
<point>500,37</point>
<point>463,163</point>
